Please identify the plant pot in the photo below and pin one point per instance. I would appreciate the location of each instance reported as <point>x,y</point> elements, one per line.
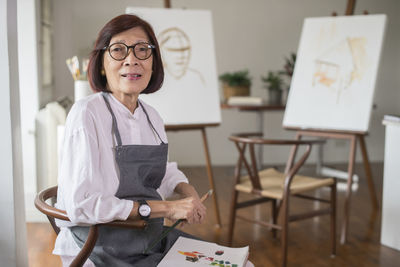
<point>235,91</point>
<point>274,97</point>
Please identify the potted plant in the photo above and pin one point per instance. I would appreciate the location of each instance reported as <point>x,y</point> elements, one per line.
<point>288,69</point>
<point>236,83</point>
<point>274,84</point>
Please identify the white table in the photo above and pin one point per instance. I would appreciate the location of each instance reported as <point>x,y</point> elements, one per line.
<point>390,232</point>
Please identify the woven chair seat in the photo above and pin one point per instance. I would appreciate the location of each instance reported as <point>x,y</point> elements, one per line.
<point>272,183</point>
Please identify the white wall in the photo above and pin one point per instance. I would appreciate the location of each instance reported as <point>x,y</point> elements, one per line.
<point>13,250</point>
<point>271,28</point>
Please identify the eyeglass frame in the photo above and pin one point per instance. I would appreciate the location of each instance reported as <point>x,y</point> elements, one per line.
<point>129,47</point>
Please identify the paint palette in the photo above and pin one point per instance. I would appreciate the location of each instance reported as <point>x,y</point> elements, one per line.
<point>186,252</point>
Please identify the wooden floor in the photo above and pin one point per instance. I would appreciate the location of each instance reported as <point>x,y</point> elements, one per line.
<point>308,240</point>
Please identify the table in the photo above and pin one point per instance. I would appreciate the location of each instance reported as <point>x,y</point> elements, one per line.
<point>390,234</point>
<point>259,109</point>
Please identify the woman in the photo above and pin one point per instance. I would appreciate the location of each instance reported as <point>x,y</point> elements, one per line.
<point>114,160</point>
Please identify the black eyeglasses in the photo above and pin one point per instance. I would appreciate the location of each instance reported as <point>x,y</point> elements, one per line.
<point>119,51</point>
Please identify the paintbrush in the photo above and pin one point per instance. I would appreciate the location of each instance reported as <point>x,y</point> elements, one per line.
<point>70,67</point>
<point>165,233</point>
<point>75,67</point>
<point>85,64</point>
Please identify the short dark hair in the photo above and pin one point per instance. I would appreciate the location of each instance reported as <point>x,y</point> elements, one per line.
<point>119,24</point>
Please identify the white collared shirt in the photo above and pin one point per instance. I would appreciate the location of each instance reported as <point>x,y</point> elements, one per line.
<point>88,175</point>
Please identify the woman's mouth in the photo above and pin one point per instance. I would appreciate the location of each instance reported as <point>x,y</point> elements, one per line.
<point>132,76</point>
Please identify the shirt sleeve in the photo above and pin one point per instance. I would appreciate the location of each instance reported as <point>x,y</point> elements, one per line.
<point>84,193</point>
<point>173,176</point>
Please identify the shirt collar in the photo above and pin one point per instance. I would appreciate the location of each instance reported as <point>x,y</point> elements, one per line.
<point>124,110</point>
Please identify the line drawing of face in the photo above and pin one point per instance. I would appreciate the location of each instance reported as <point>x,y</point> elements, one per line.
<point>176,51</point>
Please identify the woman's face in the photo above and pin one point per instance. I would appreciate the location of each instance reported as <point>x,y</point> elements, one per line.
<point>131,75</point>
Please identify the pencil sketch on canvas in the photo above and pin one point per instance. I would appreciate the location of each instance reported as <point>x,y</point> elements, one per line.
<point>189,94</point>
<point>340,65</point>
<point>176,52</point>
<point>335,73</point>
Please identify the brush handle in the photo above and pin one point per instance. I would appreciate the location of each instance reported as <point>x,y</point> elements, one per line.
<point>163,234</point>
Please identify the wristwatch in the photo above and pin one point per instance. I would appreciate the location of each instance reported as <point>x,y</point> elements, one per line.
<point>144,210</point>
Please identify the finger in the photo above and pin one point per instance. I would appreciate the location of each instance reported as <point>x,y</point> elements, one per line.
<point>201,209</point>
<point>200,217</point>
<point>192,219</point>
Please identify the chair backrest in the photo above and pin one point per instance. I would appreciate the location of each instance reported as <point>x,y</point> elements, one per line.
<point>243,140</point>
<point>50,211</point>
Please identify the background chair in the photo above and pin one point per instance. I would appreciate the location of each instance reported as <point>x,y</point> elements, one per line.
<point>52,213</point>
<point>277,187</point>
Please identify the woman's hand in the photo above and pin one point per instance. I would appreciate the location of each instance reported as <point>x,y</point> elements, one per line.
<point>189,208</point>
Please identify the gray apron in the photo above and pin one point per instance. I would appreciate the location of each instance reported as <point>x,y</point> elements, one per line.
<point>141,168</point>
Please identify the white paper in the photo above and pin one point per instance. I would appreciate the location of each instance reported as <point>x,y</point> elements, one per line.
<point>245,101</point>
<point>205,254</point>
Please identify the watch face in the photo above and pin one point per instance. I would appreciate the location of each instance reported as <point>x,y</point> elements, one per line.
<point>144,210</point>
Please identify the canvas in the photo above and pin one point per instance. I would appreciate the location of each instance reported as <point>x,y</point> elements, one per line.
<point>335,73</point>
<point>189,94</point>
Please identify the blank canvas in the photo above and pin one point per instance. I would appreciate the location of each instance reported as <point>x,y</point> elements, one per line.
<point>189,94</point>
<point>335,73</point>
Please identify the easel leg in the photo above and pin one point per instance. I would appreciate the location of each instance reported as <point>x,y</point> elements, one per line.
<point>292,154</point>
<point>210,176</point>
<point>368,173</point>
<point>261,149</point>
<point>352,156</point>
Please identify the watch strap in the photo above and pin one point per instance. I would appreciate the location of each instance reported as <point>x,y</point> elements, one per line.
<point>142,202</point>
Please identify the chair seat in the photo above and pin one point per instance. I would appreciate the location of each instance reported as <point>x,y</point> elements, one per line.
<point>272,183</point>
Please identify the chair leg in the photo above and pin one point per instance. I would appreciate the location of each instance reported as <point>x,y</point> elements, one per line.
<point>87,248</point>
<point>232,217</point>
<point>333,219</point>
<point>274,212</point>
<point>285,231</point>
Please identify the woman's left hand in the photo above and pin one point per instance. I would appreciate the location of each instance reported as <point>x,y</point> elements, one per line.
<point>197,213</point>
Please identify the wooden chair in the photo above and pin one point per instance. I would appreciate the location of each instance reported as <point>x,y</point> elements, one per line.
<point>277,187</point>
<point>52,213</point>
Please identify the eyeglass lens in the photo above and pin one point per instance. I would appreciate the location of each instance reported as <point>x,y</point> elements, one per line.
<point>119,51</point>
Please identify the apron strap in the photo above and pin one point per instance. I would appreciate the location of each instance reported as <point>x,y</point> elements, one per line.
<point>114,120</point>
<point>151,124</point>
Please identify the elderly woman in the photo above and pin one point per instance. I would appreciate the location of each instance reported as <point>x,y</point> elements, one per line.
<point>114,158</point>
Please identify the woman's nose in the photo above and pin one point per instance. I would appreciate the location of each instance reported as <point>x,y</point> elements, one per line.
<point>130,58</point>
